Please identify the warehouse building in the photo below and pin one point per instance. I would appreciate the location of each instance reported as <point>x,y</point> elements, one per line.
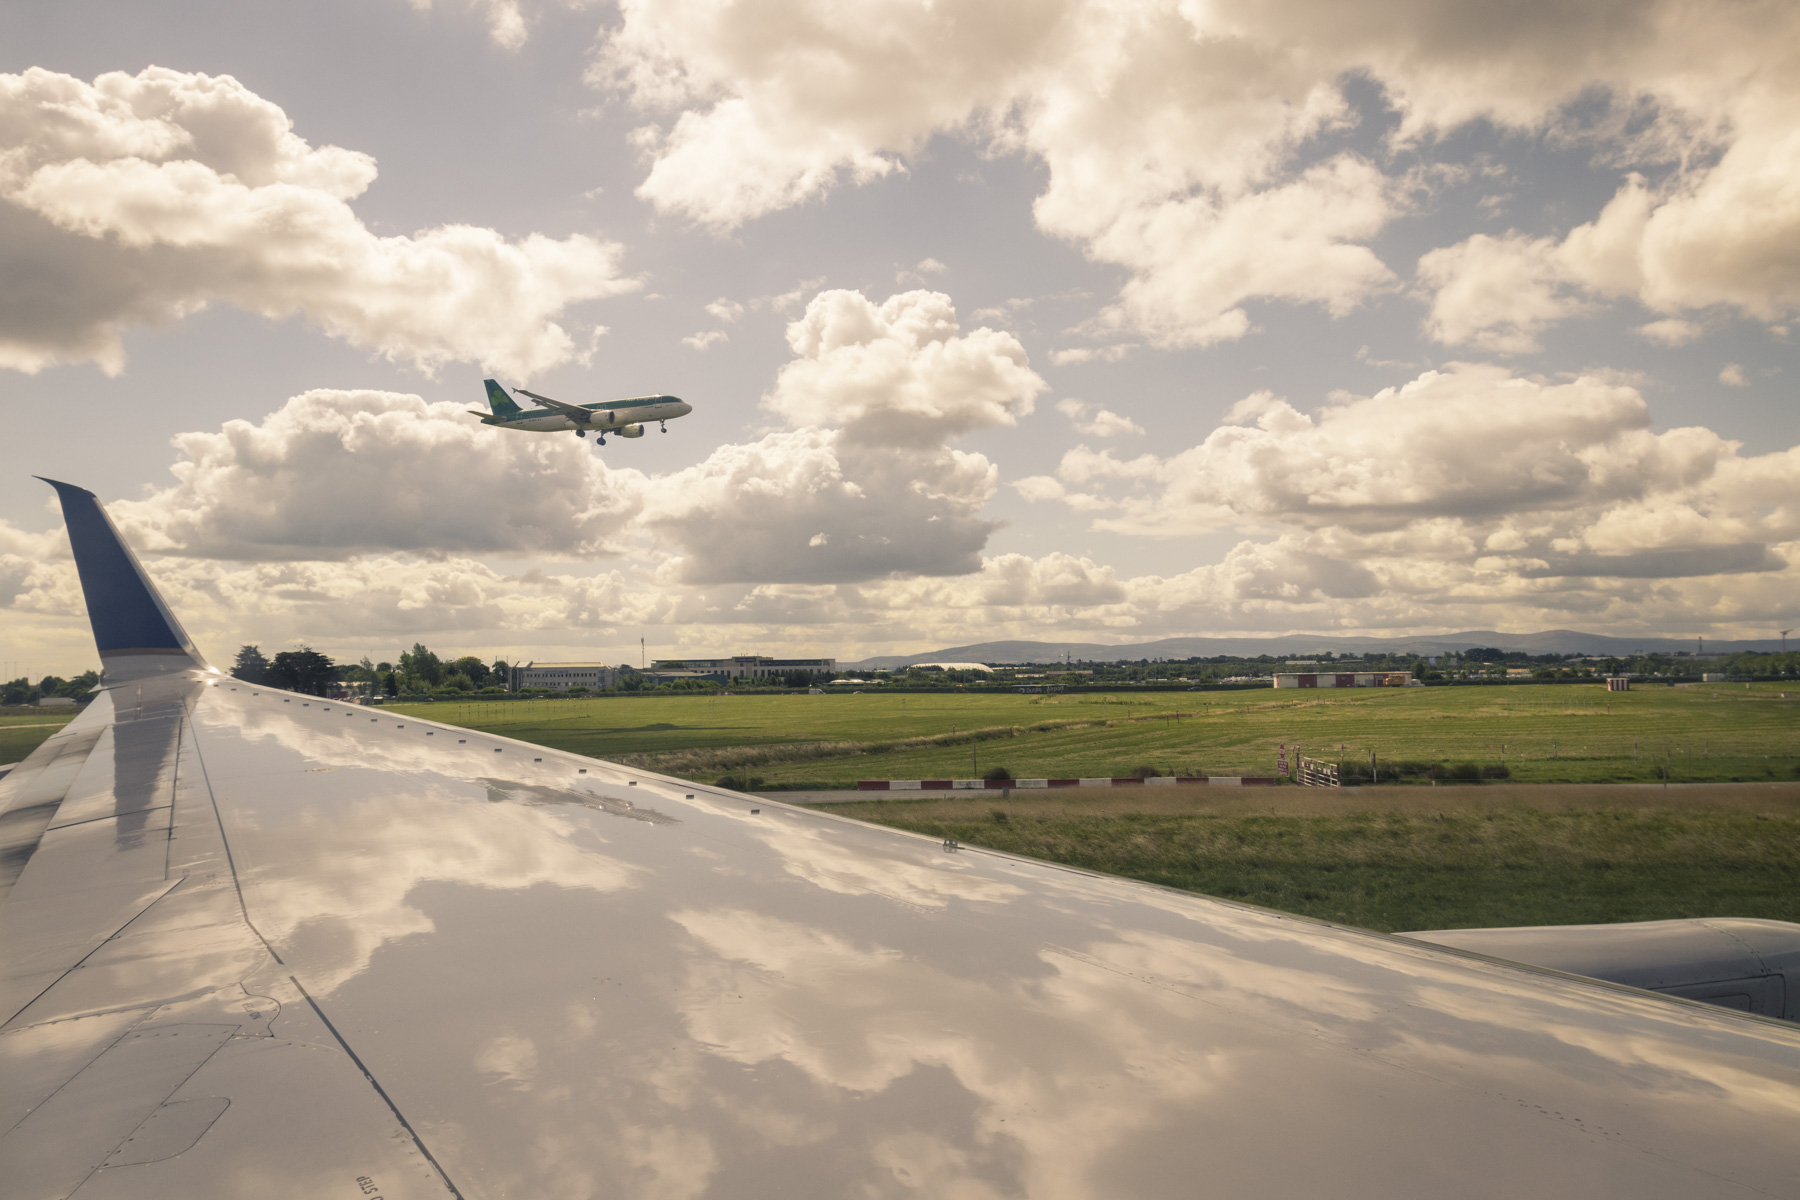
<point>1352,679</point>
<point>561,676</point>
<point>746,666</point>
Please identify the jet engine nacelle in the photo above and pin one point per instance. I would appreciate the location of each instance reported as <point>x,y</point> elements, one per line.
<point>630,431</point>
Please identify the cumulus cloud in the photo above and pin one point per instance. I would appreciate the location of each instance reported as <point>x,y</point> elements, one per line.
<point>900,373</point>
<point>1671,331</point>
<point>725,309</point>
<point>141,199</point>
<point>270,529</point>
<point>1497,293</point>
<point>819,506</point>
<point>1085,354</point>
<point>1465,483</point>
<point>300,484</point>
<point>1101,422</point>
<point>863,484</point>
<point>1732,375</point>
<point>1472,443</point>
<point>919,274</point>
<point>1715,237</point>
<point>1205,148</point>
<point>705,338</point>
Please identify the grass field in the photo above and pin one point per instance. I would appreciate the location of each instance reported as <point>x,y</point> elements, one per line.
<point>1414,858</point>
<point>23,729</point>
<point>1388,858</point>
<point>1545,734</point>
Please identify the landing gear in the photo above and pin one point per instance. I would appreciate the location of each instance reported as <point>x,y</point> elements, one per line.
<point>581,433</point>
<point>665,427</point>
<point>601,438</point>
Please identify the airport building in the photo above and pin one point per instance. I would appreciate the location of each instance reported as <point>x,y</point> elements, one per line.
<point>561,676</point>
<point>745,666</point>
<point>1352,679</point>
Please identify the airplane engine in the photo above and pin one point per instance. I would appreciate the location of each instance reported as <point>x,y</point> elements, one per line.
<point>630,431</point>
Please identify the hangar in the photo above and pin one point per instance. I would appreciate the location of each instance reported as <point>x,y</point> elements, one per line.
<point>1348,679</point>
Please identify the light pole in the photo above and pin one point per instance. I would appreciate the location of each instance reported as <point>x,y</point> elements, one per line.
<point>1784,634</point>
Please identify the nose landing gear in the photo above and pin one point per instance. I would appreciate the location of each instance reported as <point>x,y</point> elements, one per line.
<point>665,427</point>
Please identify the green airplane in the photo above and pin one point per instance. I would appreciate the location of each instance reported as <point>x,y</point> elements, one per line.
<point>626,418</point>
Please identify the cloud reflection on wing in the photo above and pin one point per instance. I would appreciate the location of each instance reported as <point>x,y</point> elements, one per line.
<point>329,853</point>
<point>722,1002</point>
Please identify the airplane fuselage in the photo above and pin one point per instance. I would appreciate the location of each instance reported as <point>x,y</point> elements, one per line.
<point>608,416</point>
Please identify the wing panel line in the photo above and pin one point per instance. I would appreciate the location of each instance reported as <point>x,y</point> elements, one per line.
<point>34,799</point>
<point>379,1090</point>
<point>154,900</point>
<point>225,838</point>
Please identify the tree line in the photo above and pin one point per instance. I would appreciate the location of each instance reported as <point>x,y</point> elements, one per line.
<point>23,691</point>
<point>416,672</point>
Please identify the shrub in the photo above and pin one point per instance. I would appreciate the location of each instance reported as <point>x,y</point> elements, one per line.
<point>1496,771</point>
<point>998,774</point>
<point>1145,773</point>
<point>740,783</point>
<point>999,815</point>
<point>1465,773</point>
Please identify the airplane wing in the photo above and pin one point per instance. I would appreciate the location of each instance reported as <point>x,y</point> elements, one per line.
<point>573,410</point>
<point>263,944</point>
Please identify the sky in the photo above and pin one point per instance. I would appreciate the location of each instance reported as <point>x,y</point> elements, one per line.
<point>1044,319</point>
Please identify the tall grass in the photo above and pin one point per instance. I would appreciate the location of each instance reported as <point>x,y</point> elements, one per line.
<point>1552,733</point>
<point>1396,871</point>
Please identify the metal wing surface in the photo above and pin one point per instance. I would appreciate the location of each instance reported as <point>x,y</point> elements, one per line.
<point>263,944</point>
<point>573,410</point>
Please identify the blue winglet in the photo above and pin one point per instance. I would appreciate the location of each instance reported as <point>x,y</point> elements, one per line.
<point>129,617</point>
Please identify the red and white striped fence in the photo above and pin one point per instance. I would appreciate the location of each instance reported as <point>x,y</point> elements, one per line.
<point>990,785</point>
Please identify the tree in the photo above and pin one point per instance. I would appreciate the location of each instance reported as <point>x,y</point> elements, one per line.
<point>251,666</point>
<point>304,670</point>
<point>474,668</point>
<point>19,691</point>
<point>423,666</point>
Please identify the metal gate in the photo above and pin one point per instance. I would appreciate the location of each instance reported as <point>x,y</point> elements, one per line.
<point>1315,772</point>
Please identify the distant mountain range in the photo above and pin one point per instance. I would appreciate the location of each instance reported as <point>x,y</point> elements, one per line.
<point>1550,641</point>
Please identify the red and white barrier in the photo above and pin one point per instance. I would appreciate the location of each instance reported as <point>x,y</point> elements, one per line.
<point>991,785</point>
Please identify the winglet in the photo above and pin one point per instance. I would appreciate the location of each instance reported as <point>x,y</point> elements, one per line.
<point>135,631</point>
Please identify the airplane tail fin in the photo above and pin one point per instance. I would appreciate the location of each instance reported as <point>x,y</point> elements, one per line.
<point>502,404</point>
<point>134,630</point>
